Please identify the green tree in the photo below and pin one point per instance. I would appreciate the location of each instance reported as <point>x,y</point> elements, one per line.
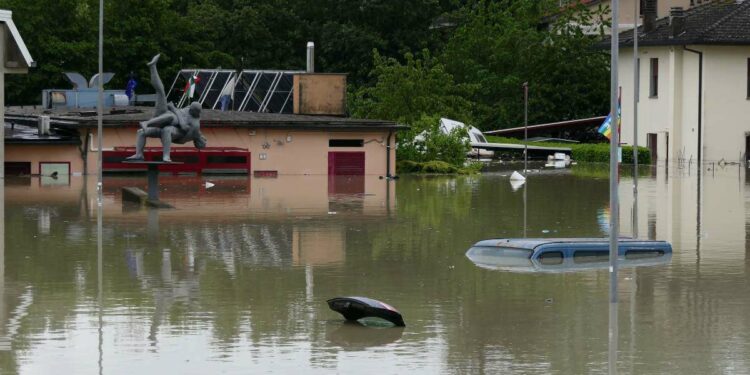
<point>426,142</point>
<point>500,45</point>
<point>406,92</point>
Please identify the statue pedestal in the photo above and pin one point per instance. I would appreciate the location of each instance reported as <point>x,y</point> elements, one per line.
<point>153,177</point>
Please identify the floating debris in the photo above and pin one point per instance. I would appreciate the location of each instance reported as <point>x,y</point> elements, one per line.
<point>356,308</point>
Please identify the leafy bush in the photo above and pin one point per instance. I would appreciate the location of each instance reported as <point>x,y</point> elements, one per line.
<point>436,167</point>
<point>408,166</point>
<point>425,143</point>
<point>587,152</point>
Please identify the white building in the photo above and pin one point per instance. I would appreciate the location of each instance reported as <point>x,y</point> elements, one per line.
<point>628,16</point>
<point>694,94</point>
<point>14,59</point>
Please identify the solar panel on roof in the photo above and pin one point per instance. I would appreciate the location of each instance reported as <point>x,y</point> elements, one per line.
<point>267,91</point>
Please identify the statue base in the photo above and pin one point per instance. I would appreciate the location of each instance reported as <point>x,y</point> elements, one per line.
<point>153,179</point>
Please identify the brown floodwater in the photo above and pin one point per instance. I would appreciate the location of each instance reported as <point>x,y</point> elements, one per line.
<point>235,279</point>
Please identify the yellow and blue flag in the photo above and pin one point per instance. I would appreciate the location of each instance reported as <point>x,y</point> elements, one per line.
<point>606,129</point>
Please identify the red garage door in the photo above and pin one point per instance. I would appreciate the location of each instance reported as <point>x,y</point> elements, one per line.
<point>346,163</point>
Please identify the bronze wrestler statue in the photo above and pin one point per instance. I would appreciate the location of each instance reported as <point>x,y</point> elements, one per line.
<point>170,124</point>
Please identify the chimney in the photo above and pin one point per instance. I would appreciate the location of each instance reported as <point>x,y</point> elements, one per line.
<point>310,57</point>
<point>676,21</point>
<point>649,15</point>
<point>43,125</point>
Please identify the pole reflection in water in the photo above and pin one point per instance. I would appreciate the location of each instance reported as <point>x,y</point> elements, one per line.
<point>635,201</point>
<point>613,338</point>
<point>524,210</point>
<point>4,336</point>
<point>100,268</point>
<point>152,225</point>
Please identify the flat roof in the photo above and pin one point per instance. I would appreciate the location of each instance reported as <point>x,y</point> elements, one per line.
<point>127,116</point>
<point>28,135</point>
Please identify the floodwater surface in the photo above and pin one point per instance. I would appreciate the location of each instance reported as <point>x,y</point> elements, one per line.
<point>235,279</point>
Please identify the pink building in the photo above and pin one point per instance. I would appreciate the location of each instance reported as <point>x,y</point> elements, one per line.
<point>314,139</point>
<point>238,142</point>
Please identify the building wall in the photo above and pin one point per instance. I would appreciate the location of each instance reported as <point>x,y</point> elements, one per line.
<point>319,94</point>
<point>47,153</point>
<point>653,116</point>
<point>727,108</point>
<point>687,149</point>
<point>290,152</point>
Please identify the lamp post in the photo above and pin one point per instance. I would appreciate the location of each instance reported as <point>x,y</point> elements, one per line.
<point>525,128</point>
<point>613,156</point>
<point>636,93</point>
<point>613,196</point>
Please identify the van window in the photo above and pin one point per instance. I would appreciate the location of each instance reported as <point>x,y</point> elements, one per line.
<point>590,256</point>
<point>643,254</point>
<point>551,258</point>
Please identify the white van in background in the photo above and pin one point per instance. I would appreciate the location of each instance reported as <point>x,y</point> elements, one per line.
<point>475,137</point>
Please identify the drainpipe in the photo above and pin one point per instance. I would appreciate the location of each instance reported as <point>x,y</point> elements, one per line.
<point>388,155</point>
<point>700,102</point>
<point>85,152</point>
<point>700,145</point>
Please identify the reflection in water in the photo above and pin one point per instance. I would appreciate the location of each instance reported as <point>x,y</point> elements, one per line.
<point>235,279</point>
<point>354,336</point>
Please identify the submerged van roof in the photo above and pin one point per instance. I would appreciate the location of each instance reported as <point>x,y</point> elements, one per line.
<point>533,243</point>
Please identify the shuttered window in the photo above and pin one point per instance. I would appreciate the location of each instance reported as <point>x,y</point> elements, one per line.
<point>654,83</point>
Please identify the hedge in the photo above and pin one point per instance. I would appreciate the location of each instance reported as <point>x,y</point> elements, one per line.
<point>586,152</point>
<point>436,167</point>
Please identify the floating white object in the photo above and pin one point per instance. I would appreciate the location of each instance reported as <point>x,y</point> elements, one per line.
<point>209,185</point>
<point>517,177</point>
<point>516,184</point>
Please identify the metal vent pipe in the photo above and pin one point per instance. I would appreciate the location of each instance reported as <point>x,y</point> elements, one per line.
<point>310,57</point>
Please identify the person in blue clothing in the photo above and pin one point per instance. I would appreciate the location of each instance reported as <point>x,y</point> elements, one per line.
<point>130,87</point>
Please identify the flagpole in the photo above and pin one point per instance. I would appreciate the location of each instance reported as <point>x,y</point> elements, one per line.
<point>100,103</point>
<point>613,165</point>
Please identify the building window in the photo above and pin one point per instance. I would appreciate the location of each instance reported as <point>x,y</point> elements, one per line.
<point>226,159</point>
<point>346,143</point>
<point>17,168</point>
<point>748,78</point>
<point>54,173</point>
<point>654,85</point>
<point>638,81</point>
